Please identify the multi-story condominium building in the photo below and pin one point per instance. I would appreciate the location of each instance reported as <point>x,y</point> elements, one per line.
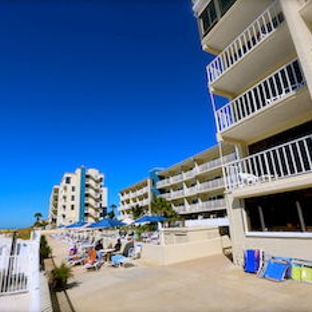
<point>260,83</point>
<point>139,194</point>
<point>80,196</point>
<point>195,186</point>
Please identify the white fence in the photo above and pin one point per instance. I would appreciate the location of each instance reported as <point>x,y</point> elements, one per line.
<point>19,265</point>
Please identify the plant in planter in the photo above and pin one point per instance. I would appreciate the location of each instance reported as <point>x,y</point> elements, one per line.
<point>59,276</point>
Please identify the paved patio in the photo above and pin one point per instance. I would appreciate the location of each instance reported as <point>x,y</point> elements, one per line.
<point>207,284</point>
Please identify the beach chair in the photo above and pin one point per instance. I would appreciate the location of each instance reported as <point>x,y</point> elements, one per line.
<point>95,261</point>
<point>120,260</point>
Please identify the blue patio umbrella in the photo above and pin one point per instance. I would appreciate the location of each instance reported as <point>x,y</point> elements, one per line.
<point>76,225</point>
<point>150,219</point>
<point>105,223</point>
<point>60,227</point>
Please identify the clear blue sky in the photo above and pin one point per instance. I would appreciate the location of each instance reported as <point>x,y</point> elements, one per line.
<point>114,85</point>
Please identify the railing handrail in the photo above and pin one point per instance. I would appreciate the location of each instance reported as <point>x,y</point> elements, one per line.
<point>281,161</point>
<point>263,94</point>
<point>218,66</point>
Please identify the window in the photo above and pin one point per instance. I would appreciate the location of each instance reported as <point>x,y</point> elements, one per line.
<point>285,212</point>
<point>208,18</point>
<point>72,207</point>
<point>73,189</point>
<point>225,5</point>
<point>67,180</point>
<point>212,13</point>
<point>73,197</point>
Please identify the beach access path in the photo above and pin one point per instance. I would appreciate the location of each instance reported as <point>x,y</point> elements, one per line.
<point>207,284</point>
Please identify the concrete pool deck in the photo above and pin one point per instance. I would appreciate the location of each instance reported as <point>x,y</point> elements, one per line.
<point>208,284</point>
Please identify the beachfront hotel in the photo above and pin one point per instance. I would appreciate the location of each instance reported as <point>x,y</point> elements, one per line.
<point>260,85</point>
<point>139,194</point>
<point>194,187</point>
<point>81,196</point>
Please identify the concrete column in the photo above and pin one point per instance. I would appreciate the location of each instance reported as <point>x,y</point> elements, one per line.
<point>301,36</point>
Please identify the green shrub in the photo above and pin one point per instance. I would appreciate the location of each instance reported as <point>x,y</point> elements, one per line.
<point>59,276</point>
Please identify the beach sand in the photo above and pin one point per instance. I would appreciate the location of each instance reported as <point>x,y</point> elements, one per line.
<point>207,284</point>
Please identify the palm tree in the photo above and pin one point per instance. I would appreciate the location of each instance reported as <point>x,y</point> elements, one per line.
<point>138,211</point>
<point>38,215</point>
<point>112,213</point>
<point>161,207</point>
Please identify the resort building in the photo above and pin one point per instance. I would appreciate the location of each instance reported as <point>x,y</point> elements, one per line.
<point>195,187</point>
<point>139,194</point>
<point>80,196</point>
<point>260,85</point>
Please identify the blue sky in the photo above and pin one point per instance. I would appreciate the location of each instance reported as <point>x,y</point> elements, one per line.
<point>114,85</point>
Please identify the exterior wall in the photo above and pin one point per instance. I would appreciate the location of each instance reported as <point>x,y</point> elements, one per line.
<point>293,245</point>
<point>195,243</point>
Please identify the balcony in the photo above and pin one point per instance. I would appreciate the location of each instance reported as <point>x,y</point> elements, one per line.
<point>211,185</point>
<point>260,107</point>
<point>164,182</point>
<point>252,54</point>
<point>219,26</point>
<point>306,10</point>
<point>196,189</point>
<point>210,205</point>
<point>272,167</point>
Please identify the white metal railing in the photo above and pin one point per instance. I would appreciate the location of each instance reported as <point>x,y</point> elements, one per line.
<point>177,178</point>
<point>213,204</point>
<point>197,170</point>
<point>210,164</point>
<point>285,81</point>
<point>166,195</point>
<point>19,267</point>
<point>211,184</point>
<point>164,182</point>
<point>265,24</point>
<point>277,163</point>
<point>201,206</point>
<point>179,193</point>
<point>190,173</point>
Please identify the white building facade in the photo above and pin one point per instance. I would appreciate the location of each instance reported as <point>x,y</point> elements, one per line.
<point>81,196</point>
<point>263,67</point>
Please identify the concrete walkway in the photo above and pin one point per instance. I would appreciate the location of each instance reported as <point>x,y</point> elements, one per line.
<point>207,284</point>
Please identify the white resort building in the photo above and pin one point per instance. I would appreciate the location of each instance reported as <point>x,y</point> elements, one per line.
<point>263,68</point>
<point>81,196</point>
<point>139,194</point>
<point>194,187</point>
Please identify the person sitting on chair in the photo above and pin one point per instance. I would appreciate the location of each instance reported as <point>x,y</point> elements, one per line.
<point>128,246</point>
<point>117,246</point>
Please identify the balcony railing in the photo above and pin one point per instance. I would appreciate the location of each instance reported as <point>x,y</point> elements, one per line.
<point>217,183</point>
<point>203,206</point>
<point>197,170</point>
<point>265,24</point>
<point>282,83</point>
<point>283,161</point>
